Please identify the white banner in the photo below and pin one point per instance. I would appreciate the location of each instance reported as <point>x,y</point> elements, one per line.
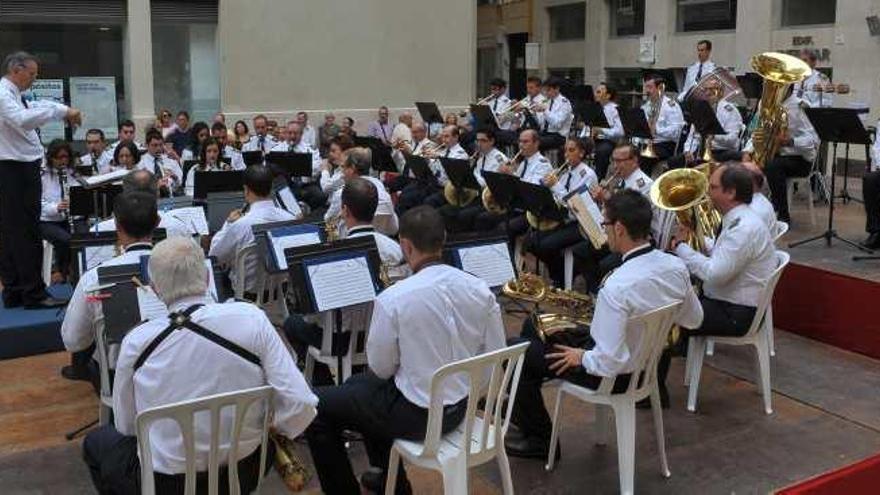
<point>96,97</point>
<point>48,90</point>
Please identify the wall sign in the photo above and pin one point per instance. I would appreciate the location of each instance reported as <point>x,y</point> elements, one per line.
<point>96,97</point>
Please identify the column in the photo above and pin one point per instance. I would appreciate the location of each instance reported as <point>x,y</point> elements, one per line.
<point>138,60</point>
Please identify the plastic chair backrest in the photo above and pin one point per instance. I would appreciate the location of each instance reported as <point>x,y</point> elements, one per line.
<point>782,259</point>
<point>183,413</point>
<point>503,368</point>
<point>779,230</point>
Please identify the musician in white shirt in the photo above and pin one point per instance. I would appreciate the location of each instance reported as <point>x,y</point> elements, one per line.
<point>165,168</point>
<point>332,178</point>
<point>55,227</point>
<point>438,315</point>
<point>309,136</point>
<point>605,139</point>
<point>261,140</point>
<point>237,349</point>
<point>230,155</point>
<point>144,181</point>
<point>556,116</point>
<point>813,90</point>
<point>534,99</point>
<point>648,279</point>
<point>698,69</point>
<point>664,115</point>
<point>208,161</point>
<point>357,164</point>
<point>199,133</point>
<point>237,232</point>
<point>125,134</point>
<point>306,189</point>
<point>95,159</point>
<point>404,149</point>
<point>723,147</point>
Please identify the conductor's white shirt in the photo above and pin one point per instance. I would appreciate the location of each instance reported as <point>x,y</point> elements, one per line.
<point>457,317</point>
<point>18,123</point>
<point>187,366</point>
<point>640,285</point>
<point>875,149</point>
<point>741,262</point>
<point>534,168</point>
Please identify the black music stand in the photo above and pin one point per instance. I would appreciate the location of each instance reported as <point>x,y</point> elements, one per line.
<point>79,241</point>
<point>460,174</point>
<point>704,121</point>
<point>95,202</point>
<point>214,182</point>
<point>483,117</point>
<point>593,115</point>
<point>290,163</point>
<point>421,170</point>
<point>380,158</point>
<point>252,157</point>
<point>187,164</point>
<point>503,189</point>
<point>837,125</point>
<point>430,112</point>
<point>635,124</point>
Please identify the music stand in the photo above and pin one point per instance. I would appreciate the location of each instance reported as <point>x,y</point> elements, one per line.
<point>635,124</point>
<point>503,189</point>
<point>216,182</point>
<point>380,158</point>
<point>187,164</point>
<point>430,112</point>
<point>292,164</point>
<point>705,121</point>
<point>460,174</point>
<point>593,115</point>
<point>95,202</point>
<point>79,241</point>
<point>483,117</point>
<point>267,249</point>
<point>837,125</point>
<point>452,255</point>
<point>252,157</point>
<point>419,167</point>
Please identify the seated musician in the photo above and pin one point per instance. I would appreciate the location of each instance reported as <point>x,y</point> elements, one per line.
<point>404,149</point>
<point>547,246</point>
<point>605,139</point>
<point>95,159</point>
<point>360,198</point>
<point>332,178</point>
<point>417,192</point>
<point>230,155</point>
<point>531,116</point>
<point>760,204</point>
<point>125,156</point>
<point>357,164</point>
<point>531,167</point>
<point>723,146</point>
<point>237,349</point>
<point>193,150</point>
<point>54,223</point>
<point>136,217</point>
<point>798,147</point>
<point>488,159</point>
<point>454,311</point>
<point>871,193</point>
<point>556,116</point>
<point>261,140</point>
<point>209,161</point>
<point>665,119</point>
<point>306,189</point>
<point>647,280</point>
<point>126,132</point>
<point>145,182</point>
<point>499,104</point>
<point>236,232</point>
<point>157,162</point>
<point>450,148</point>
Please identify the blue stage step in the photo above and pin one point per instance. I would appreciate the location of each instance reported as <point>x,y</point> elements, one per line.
<point>25,332</point>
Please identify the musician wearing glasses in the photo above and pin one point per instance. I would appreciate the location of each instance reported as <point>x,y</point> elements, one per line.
<point>556,116</point>
<point>157,162</point>
<point>723,146</point>
<point>605,139</point>
<point>449,148</point>
<point>261,140</point>
<point>647,279</point>
<point>703,66</point>
<point>573,176</point>
<point>420,142</point>
<point>664,116</point>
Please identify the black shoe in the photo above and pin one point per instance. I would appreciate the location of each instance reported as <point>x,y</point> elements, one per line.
<point>47,302</point>
<point>529,447</point>
<point>374,481</point>
<point>646,402</point>
<point>873,241</point>
<point>76,373</point>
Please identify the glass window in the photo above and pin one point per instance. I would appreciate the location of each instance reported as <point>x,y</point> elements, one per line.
<point>487,59</point>
<point>186,73</point>
<point>803,12</point>
<point>628,83</point>
<point>574,75</point>
<point>627,17</point>
<point>706,15</point>
<point>567,22</point>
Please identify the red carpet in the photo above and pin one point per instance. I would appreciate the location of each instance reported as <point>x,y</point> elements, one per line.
<point>836,309</point>
<point>860,478</point>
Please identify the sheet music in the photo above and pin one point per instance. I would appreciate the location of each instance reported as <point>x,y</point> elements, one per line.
<point>149,304</point>
<point>342,283</point>
<point>280,243</point>
<point>193,217</point>
<point>96,255</point>
<point>489,262</point>
<point>590,218</point>
<point>108,177</point>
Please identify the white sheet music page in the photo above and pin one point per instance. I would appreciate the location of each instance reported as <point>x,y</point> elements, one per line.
<point>149,304</point>
<point>590,217</point>
<point>108,177</point>
<point>280,243</point>
<point>489,262</point>
<point>337,284</point>
<point>193,217</point>
<point>98,254</point>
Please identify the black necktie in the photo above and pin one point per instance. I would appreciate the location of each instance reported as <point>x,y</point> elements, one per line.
<point>549,109</point>
<point>568,181</point>
<point>157,167</point>
<point>699,72</point>
<point>483,164</point>
<point>262,143</point>
<point>37,130</point>
<point>495,105</point>
<point>61,185</point>
<point>525,164</point>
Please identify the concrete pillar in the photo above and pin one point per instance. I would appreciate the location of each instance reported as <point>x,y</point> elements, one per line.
<point>597,31</point>
<point>138,60</point>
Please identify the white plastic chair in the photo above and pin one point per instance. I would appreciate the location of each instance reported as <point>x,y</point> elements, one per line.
<point>359,319</point>
<point>48,254</point>
<point>568,264</point>
<point>756,336</point>
<point>269,289</point>
<point>643,384</point>
<point>105,394</point>
<point>484,438</point>
<point>184,413</point>
<point>818,171</point>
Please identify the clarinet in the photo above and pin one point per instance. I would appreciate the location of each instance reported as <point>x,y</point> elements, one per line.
<point>65,194</point>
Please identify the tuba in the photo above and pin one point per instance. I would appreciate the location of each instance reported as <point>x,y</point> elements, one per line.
<point>568,325</point>
<point>685,191</point>
<point>779,71</point>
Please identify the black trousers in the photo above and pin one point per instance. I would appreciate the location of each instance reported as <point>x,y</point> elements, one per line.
<point>21,249</point>
<point>603,150</point>
<point>529,412</point>
<point>871,193</point>
<point>58,234</point>
<point>548,247</point>
<point>379,411</point>
<point>310,194</point>
<point>113,464</point>
<point>461,219</point>
<point>777,171</point>
<point>593,263</point>
<point>414,194</point>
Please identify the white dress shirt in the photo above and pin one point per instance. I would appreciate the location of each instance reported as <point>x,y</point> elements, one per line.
<point>805,90</point>
<point>557,116</point>
<point>255,142</point>
<point>875,149</point>
<point>101,162</point>
<point>578,177</point>
<point>499,105</point>
<point>235,236</point>
<point>488,162</point>
<point>384,210</point>
<point>84,317</point>
<point>457,317</point>
<point>534,168</point>
<point>111,150</point>
<point>310,136</point>
<point>538,99</point>
<point>730,119</point>
<point>456,151</point>
<point>51,194</point>
<point>640,285</point>
<point>764,209</point>
<point>741,261</point>
<point>670,121</point>
<point>171,374</point>
<point>330,182</point>
<point>235,158</point>
<point>400,158</point>
<point>19,122</point>
<point>167,166</point>
<point>174,227</point>
<point>612,115</point>
<point>302,147</point>
<point>690,78</point>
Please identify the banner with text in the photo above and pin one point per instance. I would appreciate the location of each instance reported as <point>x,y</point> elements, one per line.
<point>48,90</point>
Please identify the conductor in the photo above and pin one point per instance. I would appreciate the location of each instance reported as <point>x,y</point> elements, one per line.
<point>21,154</point>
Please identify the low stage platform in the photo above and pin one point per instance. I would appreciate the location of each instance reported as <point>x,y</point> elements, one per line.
<point>27,332</point>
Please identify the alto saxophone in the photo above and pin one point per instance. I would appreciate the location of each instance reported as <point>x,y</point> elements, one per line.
<point>568,324</point>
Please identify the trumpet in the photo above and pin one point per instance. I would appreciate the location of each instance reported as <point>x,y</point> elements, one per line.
<point>553,176</point>
<point>433,150</point>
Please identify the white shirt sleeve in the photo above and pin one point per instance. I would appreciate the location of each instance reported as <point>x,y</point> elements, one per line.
<point>670,122</point>
<point>36,115</point>
<point>335,207</point>
<point>383,346</point>
<point>729,257</point>
<point>77,331</point>
<point>224,244</point>
<point>608,329</point>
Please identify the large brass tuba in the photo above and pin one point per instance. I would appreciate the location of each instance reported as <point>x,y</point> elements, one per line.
<point>685,191</point>
<point>779,72</point>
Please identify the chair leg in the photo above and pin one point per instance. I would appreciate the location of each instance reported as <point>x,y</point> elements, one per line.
<point>103,414</point>
<point>657,411</point>
<point>602,424</point>
<point>688,365</point>
<point>625,420</point>
<point>455,477</point>
<point>554,434</point>
<point>698,344</point>
<point>391,476</point>
<point>569,268</point>
<point>762,348</point>
<point>768,327</point>
<point>309,368</point>
<point>810,202</point>
<point>710,348</point>
<point>504,469</point>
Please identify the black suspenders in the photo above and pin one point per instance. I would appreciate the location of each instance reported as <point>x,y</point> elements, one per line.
<point>182,320</point>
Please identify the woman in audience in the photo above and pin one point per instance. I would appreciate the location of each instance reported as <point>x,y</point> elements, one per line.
<point>348,127</point>
<point>331,170</point>
<point>242,134</point>
<point>209,161</point>
<point>164,124</point>
<point>126,156</point>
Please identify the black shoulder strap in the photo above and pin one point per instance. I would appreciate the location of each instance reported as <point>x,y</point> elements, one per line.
<point>182,320</point>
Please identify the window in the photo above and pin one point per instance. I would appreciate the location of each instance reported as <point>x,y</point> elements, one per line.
<point>574,75</point>
<point>628,83</point>
<point>706,15</point>
<point>567,22</point>
<point>804,12</point>
<point>627,17</point>
<point>487,59</point>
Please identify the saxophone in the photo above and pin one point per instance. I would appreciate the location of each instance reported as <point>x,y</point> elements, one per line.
<point>568,325</point>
